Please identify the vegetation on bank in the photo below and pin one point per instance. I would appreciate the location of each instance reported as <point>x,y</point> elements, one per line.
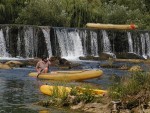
<point>75,13</point>
<point>130,93</point>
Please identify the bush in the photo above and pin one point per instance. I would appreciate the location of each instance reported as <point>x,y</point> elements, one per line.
<point>132,91</point>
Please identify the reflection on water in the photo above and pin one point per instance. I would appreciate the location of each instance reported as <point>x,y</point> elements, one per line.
<point>18,91</point>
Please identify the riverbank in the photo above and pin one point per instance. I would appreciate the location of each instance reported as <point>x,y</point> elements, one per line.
<point>128,94</point>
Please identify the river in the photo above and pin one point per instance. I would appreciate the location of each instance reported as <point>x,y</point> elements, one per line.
<point>19,92</point>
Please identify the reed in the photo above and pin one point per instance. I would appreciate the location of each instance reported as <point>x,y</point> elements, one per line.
<point>132,90</point>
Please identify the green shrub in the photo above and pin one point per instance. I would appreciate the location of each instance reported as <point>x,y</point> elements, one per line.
<point>132,90</point>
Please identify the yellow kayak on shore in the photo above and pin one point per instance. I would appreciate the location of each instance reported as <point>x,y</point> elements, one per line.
<point>69,75</point>
<point>111,26</point>
<point>50,90</point>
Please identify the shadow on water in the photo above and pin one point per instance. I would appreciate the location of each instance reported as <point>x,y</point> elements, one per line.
<point>18,91</point>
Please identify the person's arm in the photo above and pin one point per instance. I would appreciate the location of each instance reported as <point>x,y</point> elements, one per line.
<point>37,67</point>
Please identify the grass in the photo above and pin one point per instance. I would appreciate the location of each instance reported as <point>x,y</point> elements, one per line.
<point>132,90</point>
<point>74,97</point>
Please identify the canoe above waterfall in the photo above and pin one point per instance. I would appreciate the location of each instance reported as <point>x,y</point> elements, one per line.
<point>49,90</point>
<point>111,26</point>
<point>69,75</point>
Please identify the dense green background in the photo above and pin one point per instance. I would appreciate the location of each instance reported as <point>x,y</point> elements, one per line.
<point>75,13</point>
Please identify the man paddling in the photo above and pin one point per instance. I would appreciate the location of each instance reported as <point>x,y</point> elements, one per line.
<point>43,65</point>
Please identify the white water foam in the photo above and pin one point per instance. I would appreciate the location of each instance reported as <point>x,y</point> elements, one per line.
<point>69,43</point>
<point>46,32</point>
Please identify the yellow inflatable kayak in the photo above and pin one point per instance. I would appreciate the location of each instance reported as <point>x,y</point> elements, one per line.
<point>61,90</point>
<point>69,75</point>
<point>111,26</point>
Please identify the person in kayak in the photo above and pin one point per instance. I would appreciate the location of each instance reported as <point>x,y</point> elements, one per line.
<point>43,65</point>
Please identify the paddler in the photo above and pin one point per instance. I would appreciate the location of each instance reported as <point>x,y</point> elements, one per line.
<point>43,65</point>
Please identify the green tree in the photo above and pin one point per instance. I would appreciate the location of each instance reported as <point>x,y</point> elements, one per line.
<point>45,12</point>
<point>114,14</point>
<point>9,10</point>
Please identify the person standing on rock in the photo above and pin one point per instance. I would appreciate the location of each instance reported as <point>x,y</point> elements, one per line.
<point>43,65</point>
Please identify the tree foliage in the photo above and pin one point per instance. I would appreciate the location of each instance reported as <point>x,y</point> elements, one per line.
<point>75,13</point>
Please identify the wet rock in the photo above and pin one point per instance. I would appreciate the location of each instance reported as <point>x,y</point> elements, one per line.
<point>78,106</point>
<point>102,56</point>
<point>124,67</point>
<point>89,58</point>
<point>106,56</point>
<point>14,64</point>
<point>96,108</point>
<point>4,66</point>
<point>31,62</point>
<point>135,68</point>
<point>125,55</point>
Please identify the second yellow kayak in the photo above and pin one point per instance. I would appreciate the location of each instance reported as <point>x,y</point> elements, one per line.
<point>50,90</point>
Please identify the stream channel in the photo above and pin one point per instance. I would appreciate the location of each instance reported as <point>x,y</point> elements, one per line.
<point>19,92</point>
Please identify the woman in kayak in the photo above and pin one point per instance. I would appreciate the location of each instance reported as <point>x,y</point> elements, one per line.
<point>43,65</point>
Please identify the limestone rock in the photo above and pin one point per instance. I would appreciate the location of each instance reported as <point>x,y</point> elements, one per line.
<point>135,68</point>
<point>4,66</point>
<point>14,64</point>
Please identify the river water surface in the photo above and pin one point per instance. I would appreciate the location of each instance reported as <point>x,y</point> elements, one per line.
<point>19,92</point>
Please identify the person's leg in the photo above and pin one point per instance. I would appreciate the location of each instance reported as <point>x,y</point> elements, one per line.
<point>45,70</point>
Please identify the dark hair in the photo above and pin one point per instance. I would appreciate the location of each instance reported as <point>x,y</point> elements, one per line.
<point>44,57</point>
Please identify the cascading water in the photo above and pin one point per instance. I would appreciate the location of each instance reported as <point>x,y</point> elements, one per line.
<point>143,45</point>
<point>27,42</point>
<point>29,45</point>
<point>148,44</point>
<point>70,43</point>
<point>83,35</point>
<point>94,44</point>
<point>130,42</point>
<point>46,32</point>
<point>7,36</point>
<point>107,44</point>
<point>136,46</point>
<point>19,45</point>
<point>3,52</point>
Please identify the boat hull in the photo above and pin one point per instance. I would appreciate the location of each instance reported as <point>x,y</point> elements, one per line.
<point>69,75</point>
<point>61,90</point>
<point>111,26</point>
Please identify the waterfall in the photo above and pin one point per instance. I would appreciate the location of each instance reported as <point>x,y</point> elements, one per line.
<point>136,45</point>
<point>94,44</point>
<point>143,45</point>
<point>130,42</point>
<point>70,43</point>
<point>3,52</point>
<point>46,32</point>
<point>106,42</point>
<point>7,36</point>
<point>83,35</point>
<point>148,44</point>
<point>29,45</point>
<point>19,45</point>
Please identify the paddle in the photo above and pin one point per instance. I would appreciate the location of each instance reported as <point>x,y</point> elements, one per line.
<point>40,72</point>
